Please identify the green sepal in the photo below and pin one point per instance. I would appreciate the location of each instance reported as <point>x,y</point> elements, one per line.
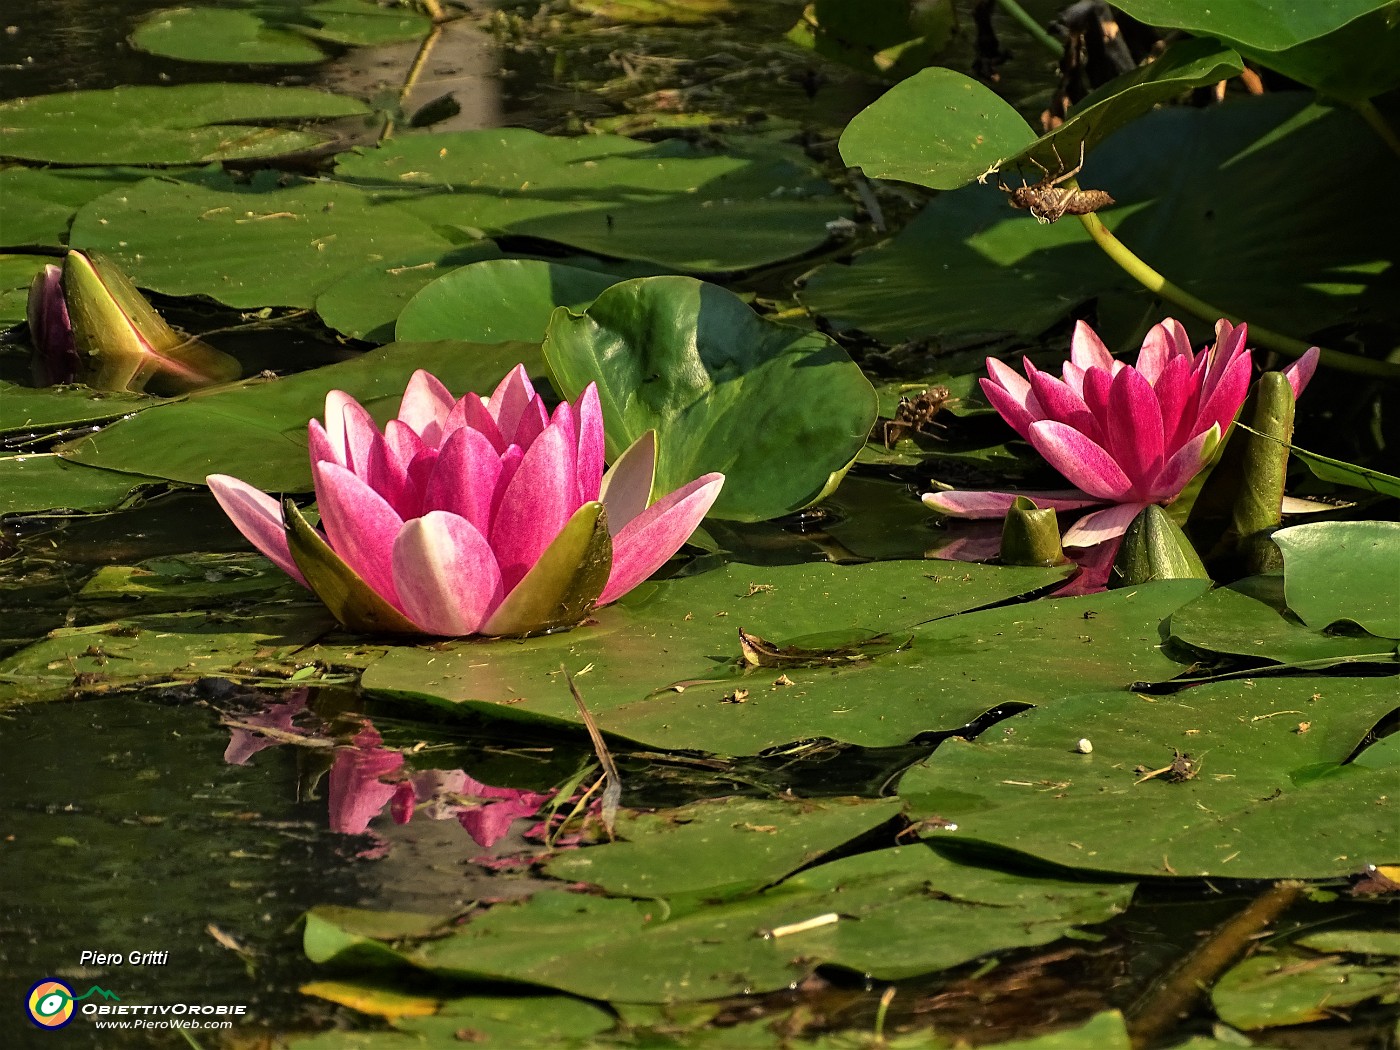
<point>1155,548</point>
<point>1031,535</point>
<point>123,343</point>
<point>1258,506</point>
<point>559,591</point>
<point>356,605</point>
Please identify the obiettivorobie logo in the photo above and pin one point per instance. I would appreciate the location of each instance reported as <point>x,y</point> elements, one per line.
<point>50,1002</point>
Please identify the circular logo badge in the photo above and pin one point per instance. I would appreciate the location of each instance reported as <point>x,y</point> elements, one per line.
<point>50,1003</point>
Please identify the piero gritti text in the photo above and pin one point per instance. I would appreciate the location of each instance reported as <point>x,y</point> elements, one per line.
<point>89,958</point>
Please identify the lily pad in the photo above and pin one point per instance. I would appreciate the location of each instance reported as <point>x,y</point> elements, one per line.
<point>26,410</point>
<point>247,246</point>
<point>1226,621</point>
<point>1198,192</point>
<point>1343,572</point>
<point>629,951</point>
<point>1264,26</point>
<point>1295,986</point>
<point>1341,472</point>
<point>515,1021</point>
<point>180,646</point>
<point>780,411</point>
<point>365,303</point>
<point>692,850</point>
<point>180,582</point>
<point>38,204</point>
<point>274,32</point>
<point>16,274</point>
<point>1266,797</point>
<point>185,124</point>
<point>608,195</point>
<point>34,483</point>
<point>498,300</point>
<point>221,35</point>
<point>666,659</point>
<point>938,129</point>
<point>257,430</point>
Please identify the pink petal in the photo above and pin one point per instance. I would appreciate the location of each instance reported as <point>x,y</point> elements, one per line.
<point>592,444</point>
<point>387,474</point>
<point>647,541</point>
<point>401,803</point>
<point>1176,394</point>
<point>351,430</point>
<point>1101,525</point>
<point>356,792</point>
<point>360,526</point>
<point>509,400</point>
<point>533,420</point>
<point>321,447</point>
<point>1157,350</point>
<point>1018,412</point>
<point>464,478</point>
<point>243,744</point>
<point>1222,401</point>
<point>488,823</point>
<point>626,489</point>
<point>536,504</point>
<point>1087,349</point>
<point>1059,402</point>
<point>1184,465</point>
<point>967,503</point>
<point>445,574</point>
<point>1300,372</point>
<point>473,412</point>
<point>1095,564</point>
<point>1229,345</point>
<point>259,517</point>
<point>1080,459</point>
<point>1098,386</point>
<point>1134,427</point>
<point>425,406</point>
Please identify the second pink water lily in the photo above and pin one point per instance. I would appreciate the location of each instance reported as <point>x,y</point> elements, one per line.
<point>1124,435</point>
<point>472,515</point>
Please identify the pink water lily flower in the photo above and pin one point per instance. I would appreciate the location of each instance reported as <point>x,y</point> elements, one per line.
<point>1127,436</point>
<point>472,515</point>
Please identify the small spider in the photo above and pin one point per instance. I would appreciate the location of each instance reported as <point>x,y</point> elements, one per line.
<point>1047,202</point>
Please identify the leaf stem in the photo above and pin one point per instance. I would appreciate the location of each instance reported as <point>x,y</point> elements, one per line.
<point>1368,112</point>
<point>1157,284</point>
<point>1161,1009</point>
<point>1031,26</point>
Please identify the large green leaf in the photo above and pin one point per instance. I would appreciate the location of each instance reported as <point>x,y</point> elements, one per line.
<point>178,646</point>
<point>630,951</point>
<point>666,667</point>
<point>220,35</point>
<point>779,410</point>
<point>692,850</point>
<point>938,129</point>
<point>1348,49</point>
<point>37,204</point>
<point>1270,797</point>
<point>1258,23</point>
<point>257,430</point>
<point>609,195</point>
<point>186,124</point>
<point>278,31</point>
<point>1295,986</point>
<point>366,302</point>
<point>27,410</point>
<point>29,484</point>
<point>1226,621</point>
<point>1201,195</point>
<point>1344,571</point>
<point>498,300</point>
<point>247,246</point>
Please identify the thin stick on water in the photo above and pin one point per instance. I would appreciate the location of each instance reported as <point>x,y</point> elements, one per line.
<point>1162,1007</point>
<point>612,794</point>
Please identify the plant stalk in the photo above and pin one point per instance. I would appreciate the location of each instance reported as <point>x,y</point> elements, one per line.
<point>1157,284</point>
<point>1163,1006</point>
<point>1368,112</point>
<point>1031,26</point>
